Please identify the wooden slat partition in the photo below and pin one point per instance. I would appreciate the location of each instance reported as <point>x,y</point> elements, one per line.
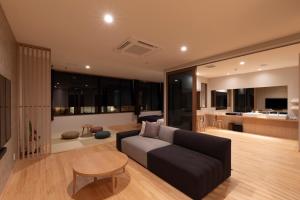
<point>34,70</point>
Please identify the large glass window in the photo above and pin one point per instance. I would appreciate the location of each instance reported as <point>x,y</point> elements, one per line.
<point>127,89</point>
<point>151,95</point>
<point>74,94</point>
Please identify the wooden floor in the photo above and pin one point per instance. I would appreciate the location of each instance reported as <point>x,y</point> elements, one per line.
<point>263,168</point>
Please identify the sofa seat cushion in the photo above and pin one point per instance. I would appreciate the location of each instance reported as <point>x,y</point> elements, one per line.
<point>137,147</point>
<point>191,172</point>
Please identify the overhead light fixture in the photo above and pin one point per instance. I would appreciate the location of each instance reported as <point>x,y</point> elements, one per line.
<point>176,80</point>
<point>108,18</point>
<point>198,73</point>
<point>183,48</point>
<point>242,62</point>
<point>87,67</point>
<point>223,91</point>
<point>259,69</point>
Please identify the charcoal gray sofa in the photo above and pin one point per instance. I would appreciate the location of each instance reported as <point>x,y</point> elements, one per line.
<point>194,163</point>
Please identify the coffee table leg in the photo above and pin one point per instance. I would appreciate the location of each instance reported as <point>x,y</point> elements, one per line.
<point>74,183</point>
<point>114,182</point>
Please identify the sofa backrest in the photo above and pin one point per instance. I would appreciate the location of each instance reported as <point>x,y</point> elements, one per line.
<point>216,147</point>
<point>166,133</point>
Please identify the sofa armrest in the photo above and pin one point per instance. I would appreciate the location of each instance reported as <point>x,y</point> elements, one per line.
<point>216,147</point>
<point>122,135</point>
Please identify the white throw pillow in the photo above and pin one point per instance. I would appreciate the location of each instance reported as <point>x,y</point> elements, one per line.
<point>161,121</point>
<point>143,128</point>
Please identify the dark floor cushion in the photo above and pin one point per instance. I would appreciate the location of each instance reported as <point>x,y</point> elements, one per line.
<point>96,129</point>
<point>102,134</point>
<point>191,172</point>
<point>70,135</point>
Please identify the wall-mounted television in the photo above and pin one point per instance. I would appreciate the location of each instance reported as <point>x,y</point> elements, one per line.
<point>5,110</point>
<point>276,103</point>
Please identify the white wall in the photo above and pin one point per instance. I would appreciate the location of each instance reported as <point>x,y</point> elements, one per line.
<point>279,77</point>
<point>67,123</point>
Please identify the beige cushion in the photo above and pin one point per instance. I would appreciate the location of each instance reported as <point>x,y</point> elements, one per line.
<point>151,130</point>
<point>137,147</point>
<point>143,128</point>
<point>70,135</point>
<point>166,133</point>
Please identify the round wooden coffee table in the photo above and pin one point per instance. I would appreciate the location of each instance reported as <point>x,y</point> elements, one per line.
<point>100,164</point>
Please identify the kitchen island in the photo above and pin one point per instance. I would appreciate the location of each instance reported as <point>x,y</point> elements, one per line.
<point>264,124</point>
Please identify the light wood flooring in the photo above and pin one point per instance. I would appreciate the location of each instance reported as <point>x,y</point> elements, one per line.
<point>263,168</point>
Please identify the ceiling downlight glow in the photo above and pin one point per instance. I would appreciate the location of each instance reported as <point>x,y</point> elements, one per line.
<point>242,62</point>
<point>108,18</point>
<point>87,67</point>
<point>183,48</point>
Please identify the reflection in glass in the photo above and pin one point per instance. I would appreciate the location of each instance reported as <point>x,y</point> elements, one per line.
<point>74,94</point>
<point>180,99</point>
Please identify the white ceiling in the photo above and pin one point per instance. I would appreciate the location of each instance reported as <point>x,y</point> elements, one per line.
<point>75,32</point>
<point>266,60</point>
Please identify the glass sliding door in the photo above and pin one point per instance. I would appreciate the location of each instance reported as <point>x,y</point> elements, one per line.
<point>181,99</point>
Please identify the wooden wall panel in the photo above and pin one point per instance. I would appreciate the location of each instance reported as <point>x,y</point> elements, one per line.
<point>34,101</point>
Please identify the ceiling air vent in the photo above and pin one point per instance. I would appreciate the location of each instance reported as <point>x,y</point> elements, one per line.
<point>210,66</point>
<point>136,47</point>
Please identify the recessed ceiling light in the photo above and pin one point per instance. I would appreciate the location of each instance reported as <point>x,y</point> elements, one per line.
<point>242,62</point>
<point>176,80</point>
<point>259,69</point>
<point>183,48</point>
<point>87,67</point>
<point>198,74</point>
<point>228,74</point>
<point>108,18</point>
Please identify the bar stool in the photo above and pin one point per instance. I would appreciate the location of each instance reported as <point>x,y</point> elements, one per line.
<point>217,123</point>
<point>201,123</point>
